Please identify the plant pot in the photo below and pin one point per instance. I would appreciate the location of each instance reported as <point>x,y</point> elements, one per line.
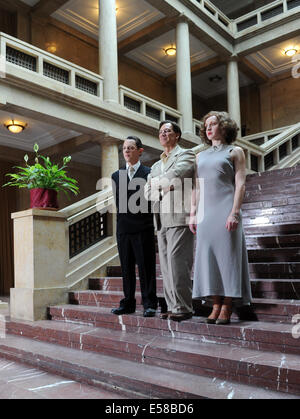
<point>43,198</point>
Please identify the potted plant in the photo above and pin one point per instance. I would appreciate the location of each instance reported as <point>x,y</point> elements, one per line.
<point>44,180</point>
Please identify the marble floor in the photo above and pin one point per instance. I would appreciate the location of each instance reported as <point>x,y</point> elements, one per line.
<point>19,381</point>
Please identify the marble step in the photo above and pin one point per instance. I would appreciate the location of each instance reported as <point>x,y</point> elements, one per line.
<point>271,242</point>
<point>267,183</point>
<point>270,370</point>
<point>276,289</point>
<point>128,379</point>
<point>116,271</point>
<point>272,229</point>
<point>271,211</point>
<point>270,194</point>
<point>116,284</point>
<point>288,254</point>
<point>261,309</point>
<point>277,175</point>
<point>261,288</point>
<point>253,335</point>
<point>275,270</point>
<point>272,203</point>
<point>269,219</point>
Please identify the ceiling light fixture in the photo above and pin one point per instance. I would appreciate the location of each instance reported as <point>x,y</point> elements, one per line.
<point>52,48</point>
<point>290,51</point>
<point>215,79</point>
<point>15,127</point>
<point>170,51</point>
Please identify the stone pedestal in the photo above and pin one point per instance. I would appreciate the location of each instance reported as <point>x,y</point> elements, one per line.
<point>3,304</point>
<point>40,262</point>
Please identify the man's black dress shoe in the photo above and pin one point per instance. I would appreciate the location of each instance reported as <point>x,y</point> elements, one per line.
<point>149,312</point>
<point>122,310</point>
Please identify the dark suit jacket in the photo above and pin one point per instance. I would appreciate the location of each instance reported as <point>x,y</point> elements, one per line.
<point>137,216</point>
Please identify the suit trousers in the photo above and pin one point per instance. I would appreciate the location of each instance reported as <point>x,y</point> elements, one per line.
<point>176,246</point>
<point>138,249</point>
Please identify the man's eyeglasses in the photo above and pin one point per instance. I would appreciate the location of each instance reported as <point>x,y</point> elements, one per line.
<point>130,148</point>
<point>165,131</point>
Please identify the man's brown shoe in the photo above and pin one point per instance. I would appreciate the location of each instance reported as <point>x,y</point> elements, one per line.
<point>179,317</point>
<point>164,316</point>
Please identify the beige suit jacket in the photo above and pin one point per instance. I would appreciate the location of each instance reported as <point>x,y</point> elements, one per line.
<point>169,185</point>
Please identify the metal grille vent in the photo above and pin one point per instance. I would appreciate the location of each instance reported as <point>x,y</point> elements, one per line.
<point>87,232</point>
<point>153,112</point>
<point>132,104</point>
<point>272,12</point>
<point>86,85</point>
<point>56,73</point>
<point>20,58</point>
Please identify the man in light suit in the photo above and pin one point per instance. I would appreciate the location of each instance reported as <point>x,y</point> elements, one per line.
<point>135,231</point>
<point>167,186</point>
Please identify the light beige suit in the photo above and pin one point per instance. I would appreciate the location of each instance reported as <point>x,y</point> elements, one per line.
<point>169,185</point>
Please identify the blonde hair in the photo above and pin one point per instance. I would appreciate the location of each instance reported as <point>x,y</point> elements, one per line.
<point>228,127</point>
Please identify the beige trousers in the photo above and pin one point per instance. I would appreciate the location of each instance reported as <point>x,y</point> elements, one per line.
<point>176,246</point>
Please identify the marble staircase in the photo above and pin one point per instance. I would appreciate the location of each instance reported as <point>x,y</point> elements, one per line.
<point>256,356</point>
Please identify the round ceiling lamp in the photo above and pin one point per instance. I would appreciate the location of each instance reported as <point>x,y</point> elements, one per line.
<point>215,79</point>
<point>171,51</point>
<point>290,52</point>
<point>15,127</point>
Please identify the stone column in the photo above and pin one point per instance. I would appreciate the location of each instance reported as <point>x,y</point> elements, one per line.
<point>233,92</point>
<point>109,165</point>
<point>183,74</point>
<point>109,157</point>
<point>108,50</point>
<point>40,262</point>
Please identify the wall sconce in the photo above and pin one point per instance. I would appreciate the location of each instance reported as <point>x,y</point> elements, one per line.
<point>170,51</point>
<point>52,48</point>
<point>290,51</point>
<point>15,127</point>
<point>215,79</point>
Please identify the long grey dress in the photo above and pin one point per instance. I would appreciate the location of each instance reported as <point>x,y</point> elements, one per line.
<point>221,262</point>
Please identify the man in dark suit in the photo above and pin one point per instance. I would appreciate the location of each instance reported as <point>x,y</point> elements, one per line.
<point>135,231</point>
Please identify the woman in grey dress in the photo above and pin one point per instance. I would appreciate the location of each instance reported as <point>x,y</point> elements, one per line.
<point>221,275</point>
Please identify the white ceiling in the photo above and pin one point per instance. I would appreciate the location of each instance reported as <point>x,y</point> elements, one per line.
<point>272,61</point>
<point>39,132</point>
<point>133,16</point>
<point>205,88</point>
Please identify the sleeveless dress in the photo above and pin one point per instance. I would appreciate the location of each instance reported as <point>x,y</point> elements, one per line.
<point>221,261</point>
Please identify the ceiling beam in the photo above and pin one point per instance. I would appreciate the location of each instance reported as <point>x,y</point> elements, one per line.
<point>147,34</point>
<point>72,145</point>
<point>199,68</point>
<point>252,72</point>
<point>13,154</point>
<point>45,8</point>
<point>15,6</point>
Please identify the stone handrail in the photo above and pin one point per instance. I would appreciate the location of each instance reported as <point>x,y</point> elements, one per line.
<point>144,105</point>
<point>250,21</point>
<point>259,16</point>
<point>96,256</point>
<point>214,13</point>
<point>49,68</point>
<point>271,142</point>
